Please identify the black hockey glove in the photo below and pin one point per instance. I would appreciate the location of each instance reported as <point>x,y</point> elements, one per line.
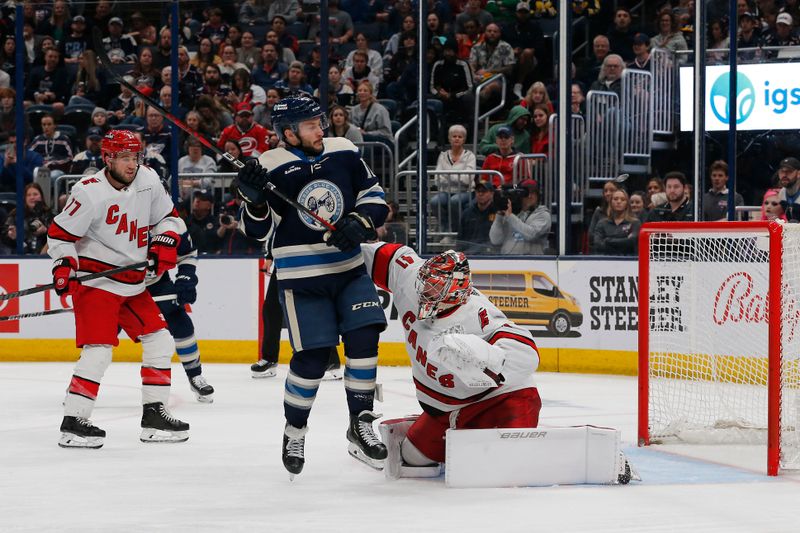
<point>186,286</point>
<point>353,229</point>
<point>251,182</point>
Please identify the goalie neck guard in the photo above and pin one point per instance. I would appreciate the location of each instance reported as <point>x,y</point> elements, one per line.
<point>443,282</point>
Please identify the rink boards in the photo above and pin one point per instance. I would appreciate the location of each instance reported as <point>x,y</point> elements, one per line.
<point>597,298</point>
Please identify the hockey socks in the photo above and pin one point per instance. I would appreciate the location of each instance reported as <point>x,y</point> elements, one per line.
<point>302,382</point>
<point>361,368</point>
<point>189,356</point>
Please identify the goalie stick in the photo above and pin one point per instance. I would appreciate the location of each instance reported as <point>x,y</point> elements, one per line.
<point>81,279</point>
<point>33,315</point>
<point>97,38</point>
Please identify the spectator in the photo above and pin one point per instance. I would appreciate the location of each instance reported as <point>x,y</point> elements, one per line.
<point>213,86</point>
<point>295,82</point>
<point>285,39</point>
<point>669,35</point>
<point>270,70</point>
<point>195,162</point>
<point>398,15</point>
<point>254,12</point>
<point>8,165</point>
<point>400,61</point>
<point>165,98</point>
<point>395,42</point>
<point>472,36</point>
<point>8,115</point>
<point>502,160</point>
<point>340,25</point>
<point>578,100</point>
<point>540,137</point>
<point>783,34</point>
<point>525,36</point>
<point>244,91</point>
<point>788,172</point>
<point>54,147</point>
<point>121,48</point>
<point>214,29</point>
<point>492,56</point>
<point>715,201</point>
<point>641,52</point>
<point>473,11</point>
<point>343,91</point>
<point>654,185</point>
<point>289,9</point>
<point>374,58</point>
<point>341,127</point>
<point>451,82</point>
<point>123,104</point>
<point>436,26</point>
<point>536,95</point>
<point>749,33</point>
<point>676,208</point>
<point>610,78</point>
<point>371,117</point>
<point>163,54</point>
<point>233,241</point>
<point>518,120</point>
<point>57,26</point>
<point>143,31</point>
<point>618,232</point>
<point>37,218</point>
<point>248,54</point>
<point>87,87</point>
<point>231,147</point>
<point>360,71</point>
<point>601,211</point>
<point>205,56</point>
<point>145,69</point>
<point>202,224</point>
<point>102,14</point>
<point>212,118</point>
<point>620,34</point>
<point>48,84</point>
<point>254,139</point>
<point>718,39</point>
<point>476,220</point>
<point>76,42</point>
<point>394,228</point>
<point>91,157</point>
<point>524,232</point>
<point>771,207</point>
<point>637,202</point>
<point>8,57</point>
<point>590,71</point>
<point>190,80</point>
<point>262,114</point>
<point>285,55</point>
<point>453,190</point>
<point>313,67</point>
<point>230,64</point>
<point>157,135</point>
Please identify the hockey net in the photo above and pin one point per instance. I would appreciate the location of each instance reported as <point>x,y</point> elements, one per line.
<point>719,349</point>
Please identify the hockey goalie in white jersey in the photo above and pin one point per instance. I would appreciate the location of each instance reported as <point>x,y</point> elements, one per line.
<point>472,367</point>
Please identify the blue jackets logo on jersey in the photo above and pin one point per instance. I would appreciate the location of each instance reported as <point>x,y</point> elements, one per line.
<point>323,198</point>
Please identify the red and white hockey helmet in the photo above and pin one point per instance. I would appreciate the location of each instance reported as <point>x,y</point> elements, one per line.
<point>121,141</point>
<point>443,282</point>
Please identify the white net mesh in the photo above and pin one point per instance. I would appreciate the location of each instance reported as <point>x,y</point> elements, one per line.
<point>708,348</point>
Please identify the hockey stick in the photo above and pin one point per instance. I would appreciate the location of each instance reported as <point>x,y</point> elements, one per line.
<point>32,315</point>
<point>106,62</point>
<point>81,279</point>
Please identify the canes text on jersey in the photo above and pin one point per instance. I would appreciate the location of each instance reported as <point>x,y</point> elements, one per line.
<point>445,380</point>
<point>132,228</point>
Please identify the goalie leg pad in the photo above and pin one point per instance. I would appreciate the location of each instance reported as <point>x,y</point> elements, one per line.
<point>402,452</point>
<point>533,457</point>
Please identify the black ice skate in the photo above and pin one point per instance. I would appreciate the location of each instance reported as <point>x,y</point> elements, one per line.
<point>294,441</point>
<point>364,444</point>
<point>78,432</point>
<point>264,369</point>
<point>159,426</point>
<point>201,389</point>
<point>626,471</point>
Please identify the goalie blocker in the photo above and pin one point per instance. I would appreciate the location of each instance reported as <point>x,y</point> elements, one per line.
<point>500,457</point>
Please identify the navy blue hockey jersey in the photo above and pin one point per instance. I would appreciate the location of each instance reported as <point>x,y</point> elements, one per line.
<point>333,184</point>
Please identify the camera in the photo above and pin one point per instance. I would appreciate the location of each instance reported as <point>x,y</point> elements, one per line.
<point>509,192</point>
<point>225,219</point>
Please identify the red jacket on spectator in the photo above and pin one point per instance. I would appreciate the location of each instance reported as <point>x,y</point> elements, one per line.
<point>253,142</point>
<point>503,163</point>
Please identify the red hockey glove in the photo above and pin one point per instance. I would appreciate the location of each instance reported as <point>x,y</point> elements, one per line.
<point>163,252</point>
<point>64,276</point>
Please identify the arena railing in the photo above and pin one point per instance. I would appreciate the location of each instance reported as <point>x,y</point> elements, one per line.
<point>531,166</point>
<point>377,152</point>
<point>410,158</point>
<point>603,153</point>
<point>637,113</point>
<point>485,116</point>
<point>580,184</point>
<point>663,69</point>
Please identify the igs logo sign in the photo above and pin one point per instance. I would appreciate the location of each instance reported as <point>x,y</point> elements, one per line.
<point>9,282</point>
<point>720,96</point>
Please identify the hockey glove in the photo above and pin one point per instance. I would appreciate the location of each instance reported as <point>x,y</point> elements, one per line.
<point>163,252</point>
<point>186,285</point>
<point>353,229</point>
<point>64,276</point>
<point>251,182</point>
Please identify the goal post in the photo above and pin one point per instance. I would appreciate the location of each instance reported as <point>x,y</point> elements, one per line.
<point>719,341</point>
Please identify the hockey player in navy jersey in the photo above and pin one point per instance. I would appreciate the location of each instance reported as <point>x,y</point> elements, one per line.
<point>324,287</point>
<point>171,297</point>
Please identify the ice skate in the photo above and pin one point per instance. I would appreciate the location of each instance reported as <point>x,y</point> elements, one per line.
<point>79,432</point>
<point>159,426</point>
<point>264,369</point>
<point>201,389</point>
<point>627,472</point>
<point>293,454</point>
<point>364,444</point>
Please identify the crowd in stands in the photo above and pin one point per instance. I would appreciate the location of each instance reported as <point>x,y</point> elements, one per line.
<point>236,59</point>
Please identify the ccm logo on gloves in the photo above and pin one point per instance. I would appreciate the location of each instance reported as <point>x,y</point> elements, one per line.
<point>364,305</point>
<point>523,434</point>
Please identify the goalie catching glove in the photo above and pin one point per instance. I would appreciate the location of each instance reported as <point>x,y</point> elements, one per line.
<point>353,229</point>
<point>251,182</point>
<point>472,359</point>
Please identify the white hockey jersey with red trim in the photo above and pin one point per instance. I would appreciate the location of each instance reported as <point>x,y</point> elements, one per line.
<point>104,228</point>
<point>394,267</point>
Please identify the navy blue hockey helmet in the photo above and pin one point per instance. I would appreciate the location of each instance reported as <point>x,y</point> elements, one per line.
<point>292,110</point>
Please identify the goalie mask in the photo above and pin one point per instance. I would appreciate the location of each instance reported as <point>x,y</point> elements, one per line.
<point>443,282</point>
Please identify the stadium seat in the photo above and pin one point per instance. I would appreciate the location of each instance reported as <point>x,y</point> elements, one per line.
<point>78,116</point>
<point>35,114</point>
<point>396,126</point>
<point>373,30</point>
<point>305,48</point>
<point>259,31</point>
<point>344,49</point>
<point>298,29</point>
<point>69,130</point>
<point>390,105</point>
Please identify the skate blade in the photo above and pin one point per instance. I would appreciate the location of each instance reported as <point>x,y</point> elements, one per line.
<point>68,440</point>
<point>208,398</point>
<point>268,374</point>
<point>156,435</point>
<point>356,453</point>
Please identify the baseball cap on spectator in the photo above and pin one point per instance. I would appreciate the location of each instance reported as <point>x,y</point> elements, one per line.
<point>747,14</point>
<point>504,131</point>
<point>641,38</point>
<point>790,162</point>
<point>115,20</point>
<point>531,185</point>
<point>484,182</point>
<point>94,133</point>
<point>784,18</point>
<point>523,6</point>
<point>79,18</point>
<point>204,194</point>
<point>244,108</point>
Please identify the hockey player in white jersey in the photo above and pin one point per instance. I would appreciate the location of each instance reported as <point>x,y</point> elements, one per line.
<point>472,367</point>
<point>105,224</point>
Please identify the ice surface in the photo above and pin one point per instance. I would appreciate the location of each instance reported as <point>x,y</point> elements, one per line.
<point>229,476</point>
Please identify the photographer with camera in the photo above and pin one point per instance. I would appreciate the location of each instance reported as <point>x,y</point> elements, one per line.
<point>521,225</point>
<point>234,242</point>
<point>37,220</point>
<point>202,224</point>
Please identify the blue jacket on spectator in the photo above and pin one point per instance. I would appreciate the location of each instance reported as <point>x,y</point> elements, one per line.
<point>8,173</point>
